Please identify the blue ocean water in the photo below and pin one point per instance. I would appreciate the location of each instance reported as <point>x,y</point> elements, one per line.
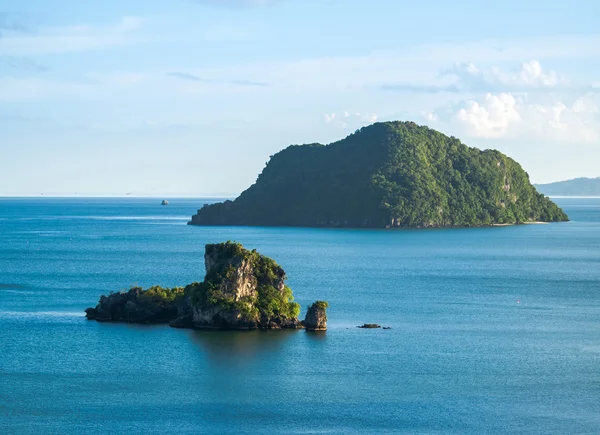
<point>495,330</point>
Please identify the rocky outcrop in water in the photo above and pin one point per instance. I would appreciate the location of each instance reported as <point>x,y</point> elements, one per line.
<point>242,289</point>
<point>316,317</point>
<point>154,305</point>
<point>370,326</point>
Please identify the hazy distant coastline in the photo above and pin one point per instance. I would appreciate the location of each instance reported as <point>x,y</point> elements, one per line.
<point>577,187</point>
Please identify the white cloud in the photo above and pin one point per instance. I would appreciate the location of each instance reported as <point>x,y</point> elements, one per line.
<point>532,74</point>
<point>335,120</point>
<point>529,75</point>
<point>311,85</point>
<point>329,118</point>
<point>430,116</point>
<point>346,119</point>
<point>417,68</point>
<point>298,78</point>
<point>372,118</point>
<point>505,115</point>
<point>575,122</point>
<point>490,118</point>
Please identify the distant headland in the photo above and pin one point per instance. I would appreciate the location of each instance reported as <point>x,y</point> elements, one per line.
<point>575,187</point>
<point>390,174</point>
<point>242,289</point>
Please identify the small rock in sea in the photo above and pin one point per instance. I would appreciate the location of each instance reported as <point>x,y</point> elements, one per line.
<point>316,317</point>
<point>164,202</point>
<point>387,327</point>
<point>369,326</point>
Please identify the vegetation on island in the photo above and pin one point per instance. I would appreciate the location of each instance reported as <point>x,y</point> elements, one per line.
<point>322,305</point>
<point>161,296</point>
<point>154,305</point>
<point>242,289</point>
<point>391,174</point>
<point>272,299</point>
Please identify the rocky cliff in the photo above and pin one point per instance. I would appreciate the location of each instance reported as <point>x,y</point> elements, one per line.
<point>316,317</point>
<point>242,290</point>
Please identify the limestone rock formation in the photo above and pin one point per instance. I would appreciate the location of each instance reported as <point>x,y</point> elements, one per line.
<point>242,290</point>
<point>316,317</point>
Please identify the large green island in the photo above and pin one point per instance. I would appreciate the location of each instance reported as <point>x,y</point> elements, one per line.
<point>390,174</point>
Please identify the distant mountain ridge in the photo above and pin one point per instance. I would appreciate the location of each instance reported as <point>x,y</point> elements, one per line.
<point>389,174</point>
<point>576,187</point>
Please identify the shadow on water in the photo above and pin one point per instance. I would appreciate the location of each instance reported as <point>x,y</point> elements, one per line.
<point>234,366</point>
<point>237,348</point>
<point>316,336</point>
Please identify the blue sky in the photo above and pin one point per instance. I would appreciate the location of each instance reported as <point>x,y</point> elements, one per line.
<point>191,97</point>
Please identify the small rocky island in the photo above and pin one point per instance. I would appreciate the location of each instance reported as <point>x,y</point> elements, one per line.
<point>316,317</point>
<point>242,289</point>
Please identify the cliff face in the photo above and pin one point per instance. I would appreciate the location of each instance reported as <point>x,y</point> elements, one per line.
<point>391,174</point>
<point>242,290</point>
<point>316,317</point>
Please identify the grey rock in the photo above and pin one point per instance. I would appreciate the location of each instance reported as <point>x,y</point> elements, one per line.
<point>369,326</point>
<point>316,317</point>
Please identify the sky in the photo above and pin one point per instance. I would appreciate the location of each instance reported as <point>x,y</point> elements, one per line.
<point>191,97</point>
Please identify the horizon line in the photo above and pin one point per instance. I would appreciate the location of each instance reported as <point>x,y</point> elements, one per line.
<point>115,195</point>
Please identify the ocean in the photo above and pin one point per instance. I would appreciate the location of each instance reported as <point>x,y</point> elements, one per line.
<point>494,330</point>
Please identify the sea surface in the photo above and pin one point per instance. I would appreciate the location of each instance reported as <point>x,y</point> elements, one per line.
<point>494,330</point>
